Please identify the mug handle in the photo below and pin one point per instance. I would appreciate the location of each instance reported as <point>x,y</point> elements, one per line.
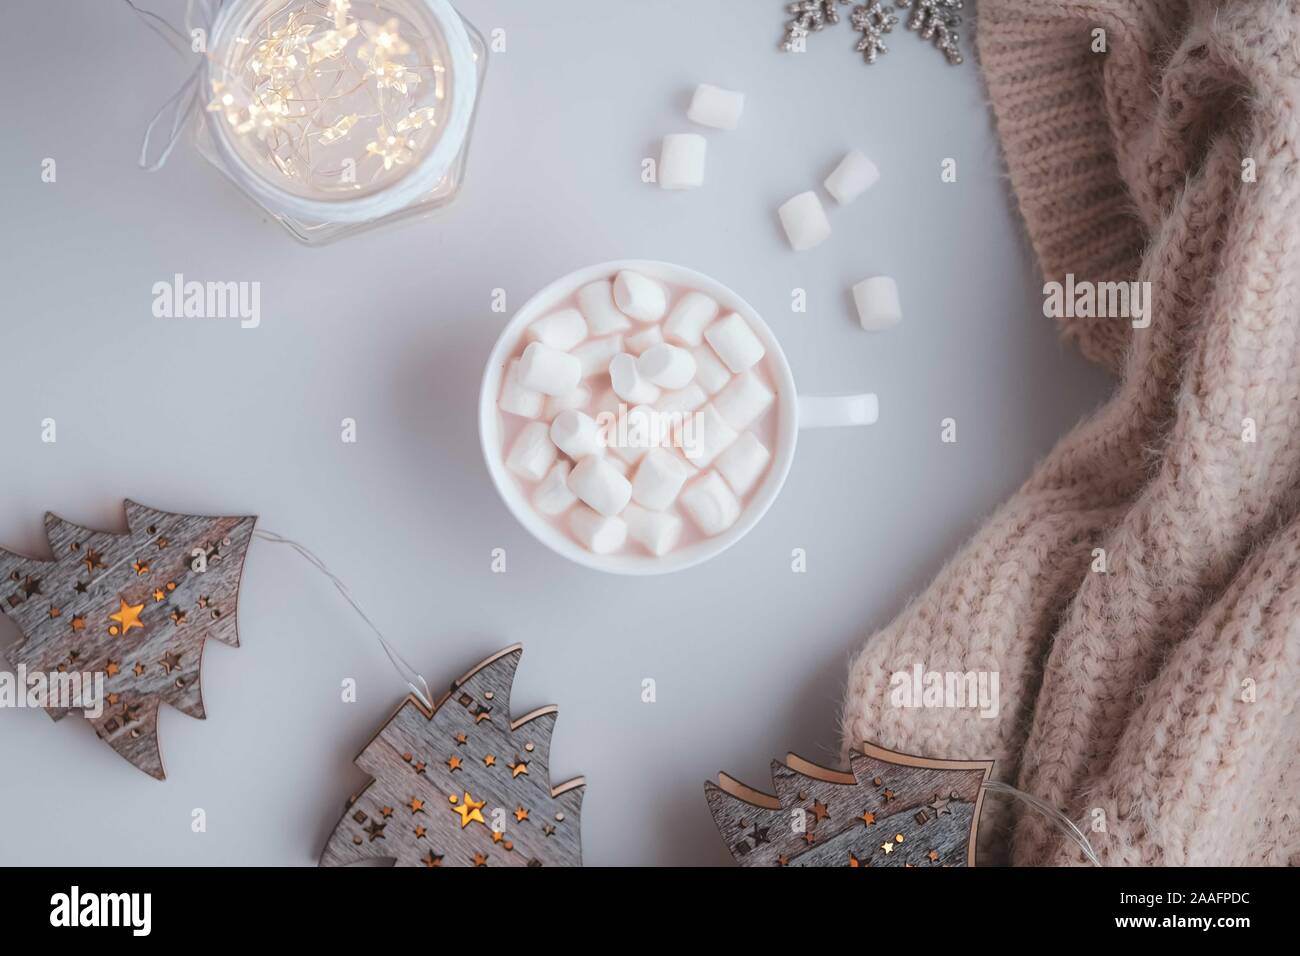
<point>829,411</point>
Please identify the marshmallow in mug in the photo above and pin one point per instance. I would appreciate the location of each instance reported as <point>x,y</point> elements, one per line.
<point>638,416</point>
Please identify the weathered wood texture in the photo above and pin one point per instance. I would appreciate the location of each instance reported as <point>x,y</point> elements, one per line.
<point>823,817</point>
<point>462,785</point>
<point>134,607</point>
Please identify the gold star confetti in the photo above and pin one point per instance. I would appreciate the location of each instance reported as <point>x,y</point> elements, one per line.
<point>518,767</point>
<point>868,819</point>
<point>489,760</point>
<point>453,762</point>
<point>887,847</point>
<point>933,856</point>
<point>433,859</point>
<point>417,806</point>
<point>819,811</point>
<point>521,814</point>
<point>111,669</point>
<point>170,662</point>
<point>480,859</point>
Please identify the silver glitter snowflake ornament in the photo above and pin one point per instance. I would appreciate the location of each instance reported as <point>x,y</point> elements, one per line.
<point>937,21</point>
<point>873,21</point>
<point>932,20</point>
<point>810,16</point>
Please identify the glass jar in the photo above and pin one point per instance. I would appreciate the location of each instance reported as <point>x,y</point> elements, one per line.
<point>335,116</point>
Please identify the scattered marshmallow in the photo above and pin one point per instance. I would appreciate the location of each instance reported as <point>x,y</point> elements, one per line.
<point>735,342</point>
<point>743,463</point>
<point>655,531</point>
<point>804,221</point>
<point>852,177</point>
<point>710,373</point>
<point>553,496</point>
<point>650,335</point>
<point>547,370</point>
<point>716,107</point>
<point>704,435</point>
<point>599,534</point>
<point>533,453</point>
<point>659,478</point>
<point>712,505</point>
<point>599,484</point>
<point>575,433</point>
<point>689,318</point>
<point>578,398</point>
<point>877,302</point>
<point>683,400</point>
<point>593,356</point>
<point>516,399</point>
<point>681,161</point>
<point>640,297</point>
<point>596,301</point>
<point>628,382</point>
<point>743,401</point>
<point>560,330</point>
<point>667,366</point>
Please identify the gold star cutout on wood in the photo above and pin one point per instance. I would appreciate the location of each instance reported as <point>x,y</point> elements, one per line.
<point>453,763</point>
<point>416,805</point>
<point>470,810</point>
<point>489,760</point>
<point>868,819</point>
<point>127,616</point>
<point>518,767</point>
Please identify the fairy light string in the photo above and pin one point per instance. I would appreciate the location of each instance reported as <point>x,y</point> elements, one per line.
<point>333,101</point>
<point>414,680</point>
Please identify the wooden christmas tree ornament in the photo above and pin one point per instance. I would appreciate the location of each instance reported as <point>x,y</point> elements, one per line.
<point>135,608</point>
<point>893,809</point>
<point>462,784</point>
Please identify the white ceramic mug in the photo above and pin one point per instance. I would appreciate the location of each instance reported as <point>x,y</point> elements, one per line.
<point>794,412</point>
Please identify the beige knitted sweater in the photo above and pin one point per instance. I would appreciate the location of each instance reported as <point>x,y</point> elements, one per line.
<point>1155,702</point>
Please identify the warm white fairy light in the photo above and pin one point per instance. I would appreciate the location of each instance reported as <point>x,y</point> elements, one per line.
<point>333,102</point>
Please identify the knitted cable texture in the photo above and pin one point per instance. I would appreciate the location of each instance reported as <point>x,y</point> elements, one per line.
<point>1159,697</point>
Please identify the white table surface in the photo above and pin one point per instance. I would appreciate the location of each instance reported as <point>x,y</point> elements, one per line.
<point>392,329</point>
